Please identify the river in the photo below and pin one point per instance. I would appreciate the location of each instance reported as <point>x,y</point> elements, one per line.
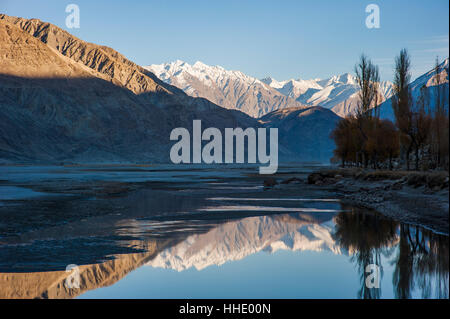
<point>159,231</point>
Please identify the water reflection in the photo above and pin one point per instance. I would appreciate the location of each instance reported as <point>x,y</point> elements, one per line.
<point>422,260</point>
<point>366,236</point>
<point>236,240</point>
<point>420,256</point>
<point>413,261</point>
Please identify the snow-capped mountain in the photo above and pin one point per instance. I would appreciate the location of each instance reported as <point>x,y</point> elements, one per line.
<point>229,89</point>
<point>427,80</point>
<point>338,93</point>
<point>236,90</point>
<point>237,239</point>
<point>292,88</point>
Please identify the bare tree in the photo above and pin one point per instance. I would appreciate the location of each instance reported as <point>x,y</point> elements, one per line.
<point>440,117</point>
<point>401,102</point>
<point>367,77</point>
<point>421,122</point>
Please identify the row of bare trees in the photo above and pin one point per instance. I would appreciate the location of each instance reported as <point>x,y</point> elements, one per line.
<point>420,131</point>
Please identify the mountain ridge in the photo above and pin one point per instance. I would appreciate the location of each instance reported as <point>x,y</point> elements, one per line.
<point>227,88</point>
<point>338,93</point>
<point>66,100</point>
<point>231,89</point>
<point>87,105</point>
<point>427,80</point>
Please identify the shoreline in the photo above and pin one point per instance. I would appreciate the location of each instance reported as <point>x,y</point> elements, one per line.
<point>416,198</point>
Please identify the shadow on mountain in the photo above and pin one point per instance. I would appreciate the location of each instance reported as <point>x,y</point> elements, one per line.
<point>91,119</point>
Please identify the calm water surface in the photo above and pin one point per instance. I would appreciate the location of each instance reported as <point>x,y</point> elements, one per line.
<point>160,232</point>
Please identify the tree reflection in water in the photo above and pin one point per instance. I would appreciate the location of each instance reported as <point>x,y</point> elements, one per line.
<point>420,257</point>
<point>422,260</point>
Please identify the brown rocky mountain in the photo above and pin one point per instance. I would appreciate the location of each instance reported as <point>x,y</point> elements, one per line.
<point>52,284</point>
<point>63,99</point>
<point>66,100</point>
<point>109,64</point>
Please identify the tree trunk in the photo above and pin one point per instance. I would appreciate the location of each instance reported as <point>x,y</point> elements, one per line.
<point>365,159</point>
<point>417,158</point>
<point>407,158</point>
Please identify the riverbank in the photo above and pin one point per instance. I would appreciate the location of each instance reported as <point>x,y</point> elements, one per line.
<point>419,198</point>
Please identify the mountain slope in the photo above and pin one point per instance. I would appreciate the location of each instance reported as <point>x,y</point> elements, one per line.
<point>427,80</point>
<point>304,133</point>
<point>338,93</point>
<point>62,99</point>
<point>229,89</point>
<point>66,100</point>
<point>108,63</point>
<point>236,90</point>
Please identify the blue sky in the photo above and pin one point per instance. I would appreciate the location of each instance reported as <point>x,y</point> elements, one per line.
<point>282,39</point>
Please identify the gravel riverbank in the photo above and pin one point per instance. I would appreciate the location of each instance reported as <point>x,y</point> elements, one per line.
<point>410,197</point>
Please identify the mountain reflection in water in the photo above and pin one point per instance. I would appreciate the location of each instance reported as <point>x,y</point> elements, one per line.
<point>413,261</point>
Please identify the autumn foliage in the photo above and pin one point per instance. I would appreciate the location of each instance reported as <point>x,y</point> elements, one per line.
<point>420,134</point>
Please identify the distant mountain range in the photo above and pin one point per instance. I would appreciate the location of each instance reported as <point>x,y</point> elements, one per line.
<point>236,90</point>
<point>66,100</point>
<point>229,89</point>
<point>338,93</point>
<point>233,89</point>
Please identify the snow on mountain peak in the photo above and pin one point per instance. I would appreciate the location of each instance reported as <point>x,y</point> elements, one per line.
<point>427,81</point>
<point>227,88</point>
<point>200,65</point>
<point>236,240</point>
<point>338,93</point>
<point>273,83</point>
<point>179,63</point>
<point>236,90</point>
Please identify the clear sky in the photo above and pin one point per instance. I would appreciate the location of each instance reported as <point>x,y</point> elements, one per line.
<point>283,39</point>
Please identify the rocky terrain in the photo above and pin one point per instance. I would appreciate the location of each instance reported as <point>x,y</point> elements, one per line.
<point>236,90</point>
<point>66,100</point>
<point>229,89</point>
<point>52,284</point>
<point>412,197</point>
<point>303,133</point>
<point>63,99</point>
<point>338,93</point>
